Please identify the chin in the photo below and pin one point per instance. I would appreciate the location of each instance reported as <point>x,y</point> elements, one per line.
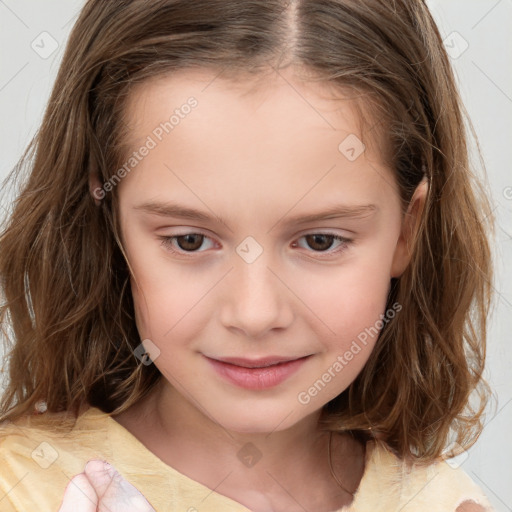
<point>260,420</point>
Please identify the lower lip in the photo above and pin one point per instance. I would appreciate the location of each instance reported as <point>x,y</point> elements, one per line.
<point>257,378</point>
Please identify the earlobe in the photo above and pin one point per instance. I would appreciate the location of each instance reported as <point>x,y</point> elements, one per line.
<point>403,251</point>
<point>95,188</point>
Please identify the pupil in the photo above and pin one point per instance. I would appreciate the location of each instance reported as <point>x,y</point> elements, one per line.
<point>317,239</point>
<point>188,244</point>
<point>317,242</point>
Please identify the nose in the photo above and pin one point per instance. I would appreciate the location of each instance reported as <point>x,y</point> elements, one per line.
<point>256,299</point>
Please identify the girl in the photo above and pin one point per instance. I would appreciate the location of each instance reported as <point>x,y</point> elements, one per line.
<point>249,269</point>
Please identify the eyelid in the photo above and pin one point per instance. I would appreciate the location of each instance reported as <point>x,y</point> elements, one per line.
<point>166,241</point>
<point>345,242</point>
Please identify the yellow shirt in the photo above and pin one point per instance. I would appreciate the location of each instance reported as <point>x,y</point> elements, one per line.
<point>36,464</point>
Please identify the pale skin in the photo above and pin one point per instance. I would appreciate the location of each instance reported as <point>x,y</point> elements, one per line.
<point>256,160</point>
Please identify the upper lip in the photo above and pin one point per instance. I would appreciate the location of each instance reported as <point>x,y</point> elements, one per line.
<point>257,362</point>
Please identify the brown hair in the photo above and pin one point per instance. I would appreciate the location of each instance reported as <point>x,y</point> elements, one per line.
<point>68,310</point>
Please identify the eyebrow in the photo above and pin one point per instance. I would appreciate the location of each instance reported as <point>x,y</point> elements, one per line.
<point>337,211</point>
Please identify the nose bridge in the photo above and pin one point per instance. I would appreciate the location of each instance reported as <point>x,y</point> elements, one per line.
<point>256,298</point>
<point>254,281</point>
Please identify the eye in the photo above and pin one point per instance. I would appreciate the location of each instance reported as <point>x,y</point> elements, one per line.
<point>322,242</point>
<point>189,242</point>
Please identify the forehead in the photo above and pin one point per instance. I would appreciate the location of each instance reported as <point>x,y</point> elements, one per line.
<point>283,99</point>
<point>266,140</point>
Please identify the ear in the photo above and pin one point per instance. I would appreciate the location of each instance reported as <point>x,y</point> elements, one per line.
<point>411,220</point>
<point>95,188</point>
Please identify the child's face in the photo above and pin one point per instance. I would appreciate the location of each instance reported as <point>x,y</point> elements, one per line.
<point>256,286</point>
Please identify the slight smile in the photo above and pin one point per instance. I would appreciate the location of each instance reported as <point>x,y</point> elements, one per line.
<point>257,374</point>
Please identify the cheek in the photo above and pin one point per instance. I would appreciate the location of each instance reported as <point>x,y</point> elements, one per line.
<point>350,304</point>
<point>153,297</point>
<point>169,300</point>
<point>347,296</point>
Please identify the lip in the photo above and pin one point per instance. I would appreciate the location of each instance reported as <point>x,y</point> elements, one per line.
<point>260,373</point>
<point>256,362</point>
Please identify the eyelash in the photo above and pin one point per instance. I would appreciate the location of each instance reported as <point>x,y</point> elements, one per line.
<point>166,242</point>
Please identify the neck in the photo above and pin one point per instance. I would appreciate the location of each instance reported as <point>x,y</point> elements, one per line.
<point>254,467</point>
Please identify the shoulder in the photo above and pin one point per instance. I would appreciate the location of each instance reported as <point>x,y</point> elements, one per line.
<point>40,454</point>
<point>441,485</point>
<point>421,487</point>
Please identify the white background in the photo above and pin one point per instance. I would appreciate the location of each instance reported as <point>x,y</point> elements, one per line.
<point>485,80</point>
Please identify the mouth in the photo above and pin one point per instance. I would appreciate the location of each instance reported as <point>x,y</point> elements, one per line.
<point>259,373</point>
<point>263,362</point>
